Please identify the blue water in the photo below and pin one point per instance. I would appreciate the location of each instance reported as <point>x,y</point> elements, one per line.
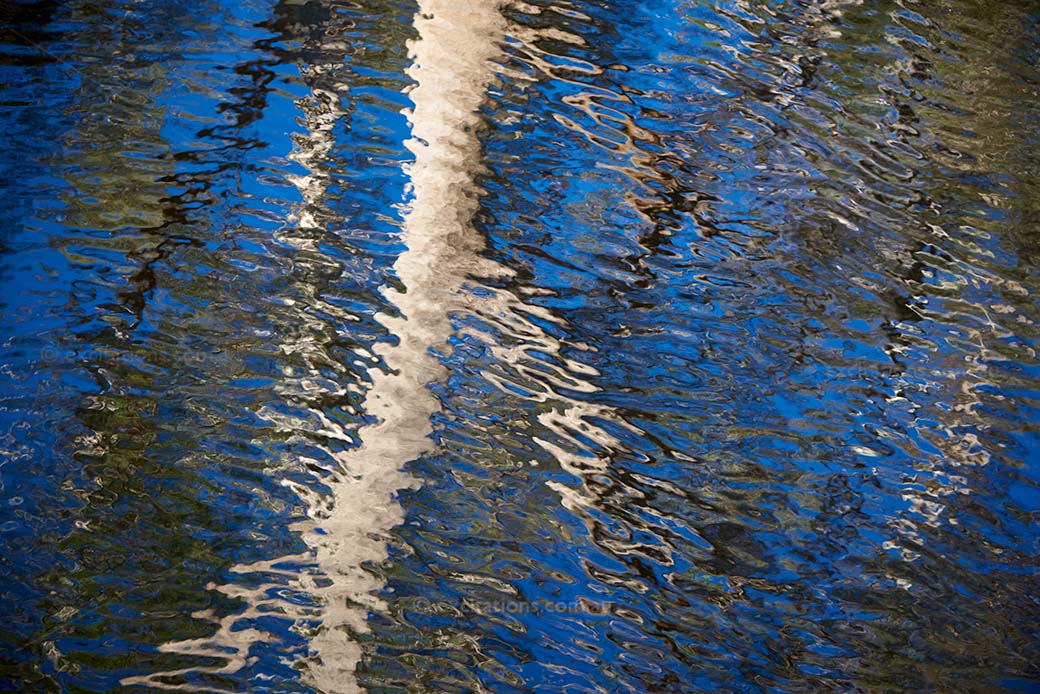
<point>477,346</point>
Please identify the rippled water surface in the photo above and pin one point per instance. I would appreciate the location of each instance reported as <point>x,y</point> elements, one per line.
<point>519,346</point>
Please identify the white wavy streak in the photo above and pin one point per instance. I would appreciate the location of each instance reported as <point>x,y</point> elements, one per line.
<point>452,70</point>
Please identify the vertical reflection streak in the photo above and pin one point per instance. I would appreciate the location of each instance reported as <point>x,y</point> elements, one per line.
<point>451,67</point>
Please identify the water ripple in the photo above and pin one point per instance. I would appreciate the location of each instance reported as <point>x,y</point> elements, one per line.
<point>519,346</point>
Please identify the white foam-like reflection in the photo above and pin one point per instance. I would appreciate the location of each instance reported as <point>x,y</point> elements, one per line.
<point>452,67</point>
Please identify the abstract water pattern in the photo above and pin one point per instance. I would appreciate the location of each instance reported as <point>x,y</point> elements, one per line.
<point>507,346</point>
